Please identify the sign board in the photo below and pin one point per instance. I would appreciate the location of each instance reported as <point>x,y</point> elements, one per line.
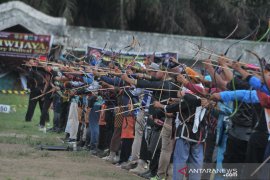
<point>122,57</point>
<point>24,45</point>
<point>4,108</point>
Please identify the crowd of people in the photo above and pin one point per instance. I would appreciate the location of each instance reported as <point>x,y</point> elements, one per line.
<point>158,117</point>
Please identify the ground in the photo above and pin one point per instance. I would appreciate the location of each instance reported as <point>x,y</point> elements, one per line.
<point>21,159</point>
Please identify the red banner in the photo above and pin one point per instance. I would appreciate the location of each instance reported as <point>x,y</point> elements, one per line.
<point>24,45</point>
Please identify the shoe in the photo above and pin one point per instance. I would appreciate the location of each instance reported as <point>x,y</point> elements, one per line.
<point>81,143</point>
<point>147,175</point>
<point>119,164</point>
<point>71,140</point>
<point>53,129</point>
<point>141,168</point>
<point>101,154</point>
<point>42,128</point>
<point>143,173</point>
<point>129,165</point>
<point>86,148</point>
<point>111,159</point>
<point>108,158</point>
<point>93,152</point>
<point>60,130</point>
<point>116,159</point>
<point>157,178</point>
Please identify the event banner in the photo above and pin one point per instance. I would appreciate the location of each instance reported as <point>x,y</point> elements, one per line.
<point>123,57</point>
<point>24,45</point>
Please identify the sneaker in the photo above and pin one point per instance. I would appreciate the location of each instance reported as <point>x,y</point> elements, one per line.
<point>147,175</point>
<point>71,140</point>
<point>81,143</point>
<point>53,129</point>
<point>111,159</point>
<point>101,154</point>
<point>157,178</point>
<point>129,165</point>
<point>116,159</point>
<point>93,152</point>
<point>139,170</point>
<point>119,164</point>
<point>108,158</point>
<point>42,128</point>
<point>86,148</point>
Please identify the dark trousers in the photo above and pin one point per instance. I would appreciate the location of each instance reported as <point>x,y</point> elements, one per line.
<point>45,109</point>
<point>64,115</point>
<point>155,150</point>
<point>56,119</point>
<point>236,150</point>
<point>210,146</point>
<point>256,147</point>
<point>255,154</point>
<point>80,132</point>
<point>144,152</point>
<point>116,139</point>
<point>109,118</point>
<point>32,104</point>
<point>267,152</point>
<point>264,173</point>
<point>125,149</point>
<point>102,144</point>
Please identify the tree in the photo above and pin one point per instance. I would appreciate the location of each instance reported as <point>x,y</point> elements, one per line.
<point>213,18</point>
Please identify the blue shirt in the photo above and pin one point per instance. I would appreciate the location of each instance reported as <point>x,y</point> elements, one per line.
<point>247,96</point>
<point>258,85</point>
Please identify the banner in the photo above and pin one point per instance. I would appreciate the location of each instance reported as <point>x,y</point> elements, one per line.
<point>4,108</point>
<point>95,54</point>
<point>23,45</point>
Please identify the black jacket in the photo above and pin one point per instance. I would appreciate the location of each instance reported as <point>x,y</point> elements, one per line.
<point>186,109</point>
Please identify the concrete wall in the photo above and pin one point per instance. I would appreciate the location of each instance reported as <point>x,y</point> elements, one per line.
<point>154,42</point>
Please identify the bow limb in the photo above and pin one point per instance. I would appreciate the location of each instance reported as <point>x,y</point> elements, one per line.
<point>262,67</point>
<point>234,30</point>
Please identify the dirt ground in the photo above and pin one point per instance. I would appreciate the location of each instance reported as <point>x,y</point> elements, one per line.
<point>18,161</point>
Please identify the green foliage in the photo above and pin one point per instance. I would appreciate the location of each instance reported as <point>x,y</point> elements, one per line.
<point>214,18</point>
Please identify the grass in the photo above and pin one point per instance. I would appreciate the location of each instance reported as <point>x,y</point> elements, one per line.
<point>14,121</point>
<point>26,136</point>
<point>14,129</point>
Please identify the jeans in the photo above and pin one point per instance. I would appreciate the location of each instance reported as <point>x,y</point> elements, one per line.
<point>56,119</point>
<point>94,126</point>
<point>187,154</point>
<point>221,148</point>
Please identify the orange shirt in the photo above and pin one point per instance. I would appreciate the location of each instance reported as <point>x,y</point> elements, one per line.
<point>128,127</point>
